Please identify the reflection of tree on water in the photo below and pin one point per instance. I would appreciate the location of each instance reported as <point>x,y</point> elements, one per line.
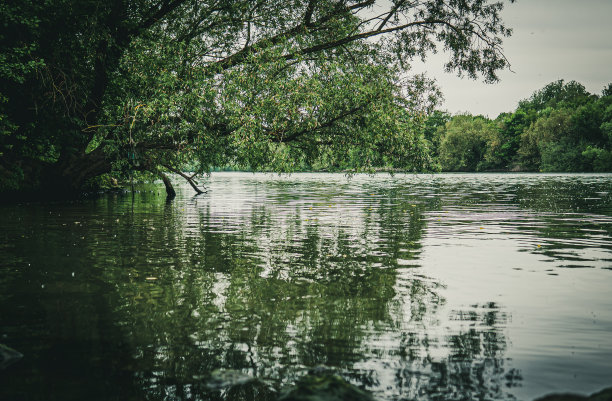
<point>574,220</point>
<point>182,290</point>
<point>273,296</point>
<point>473,369</point>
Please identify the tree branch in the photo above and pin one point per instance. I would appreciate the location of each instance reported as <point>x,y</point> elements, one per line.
<point>185,176</point>
<point>391,13</point>
<point>308,14</point>
<point>166,8</point>
<point>363,35</point>
<point>241,55</point>
<point>326,124</point>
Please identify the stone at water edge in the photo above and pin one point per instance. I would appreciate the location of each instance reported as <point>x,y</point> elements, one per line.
<point>325,386</point>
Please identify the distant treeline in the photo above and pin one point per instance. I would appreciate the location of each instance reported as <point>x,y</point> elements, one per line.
<point>560,128</point>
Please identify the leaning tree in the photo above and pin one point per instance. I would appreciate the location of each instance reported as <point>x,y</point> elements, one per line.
<point>90,87</point>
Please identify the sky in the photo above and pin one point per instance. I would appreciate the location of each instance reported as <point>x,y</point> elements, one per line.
<point>552,40</point>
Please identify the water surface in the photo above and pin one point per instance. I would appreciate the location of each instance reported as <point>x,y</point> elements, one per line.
<point>416,287</point>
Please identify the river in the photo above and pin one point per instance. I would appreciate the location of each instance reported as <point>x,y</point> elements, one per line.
<point>415,287</point>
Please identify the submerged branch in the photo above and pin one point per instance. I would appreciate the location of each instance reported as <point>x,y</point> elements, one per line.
<point>186,177</point>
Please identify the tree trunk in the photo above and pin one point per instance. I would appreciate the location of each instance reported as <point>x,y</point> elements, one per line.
<point>84,166</point>
<point>68,176</point>
<point>170,192</point>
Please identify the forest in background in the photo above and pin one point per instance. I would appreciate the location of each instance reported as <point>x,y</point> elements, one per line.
<point>560,128</point>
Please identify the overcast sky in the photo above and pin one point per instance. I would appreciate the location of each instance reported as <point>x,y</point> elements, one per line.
<point>552,39</point>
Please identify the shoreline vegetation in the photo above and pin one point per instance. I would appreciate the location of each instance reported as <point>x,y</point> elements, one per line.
<point>561,128</point>
<point>139,90</point>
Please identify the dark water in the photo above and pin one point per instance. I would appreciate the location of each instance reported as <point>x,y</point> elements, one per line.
<point>415,287</point>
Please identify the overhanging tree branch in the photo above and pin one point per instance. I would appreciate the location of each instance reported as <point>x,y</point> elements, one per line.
<point>186,177</point>
<point>326,124</point>
<point>240,56</point>
<point>363,35</point>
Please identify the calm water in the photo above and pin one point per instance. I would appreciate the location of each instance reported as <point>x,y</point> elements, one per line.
<point>415,287</point>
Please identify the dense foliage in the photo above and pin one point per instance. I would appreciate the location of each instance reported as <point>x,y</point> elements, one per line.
<point>560,128</point>
<point>89,87</point>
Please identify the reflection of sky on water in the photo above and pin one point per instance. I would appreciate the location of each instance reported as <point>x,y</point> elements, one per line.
<point>418,287</point>
<point>479,244</point>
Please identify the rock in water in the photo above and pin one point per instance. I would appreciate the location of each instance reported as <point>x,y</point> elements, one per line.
<point>325,387</point>
<point>8,356</point>
<point>224,378</point>
<point>604,395</point>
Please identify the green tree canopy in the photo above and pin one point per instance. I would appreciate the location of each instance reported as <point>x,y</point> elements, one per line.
<point>556,95</point>
<point>88,86</point>
<point>573,138</point>
<point>467,144</point>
